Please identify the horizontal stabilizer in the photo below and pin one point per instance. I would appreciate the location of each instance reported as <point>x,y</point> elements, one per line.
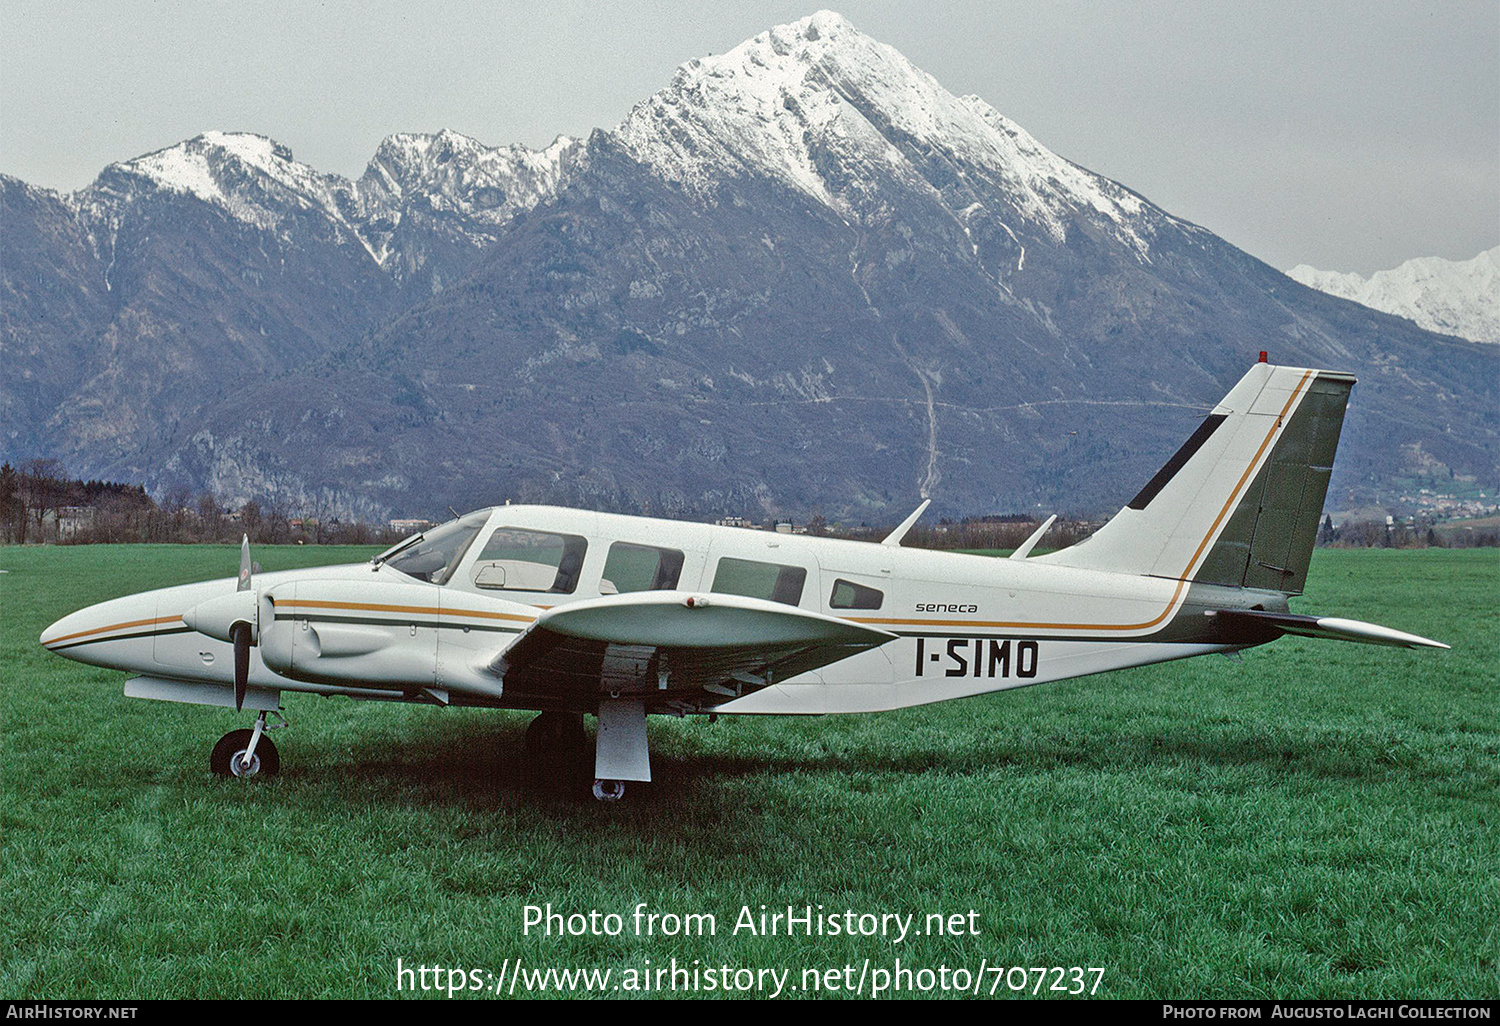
<point>1256,625</point>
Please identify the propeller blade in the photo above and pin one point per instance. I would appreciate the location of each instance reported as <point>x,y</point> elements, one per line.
<point>244,582</point>
<point>241,633</point>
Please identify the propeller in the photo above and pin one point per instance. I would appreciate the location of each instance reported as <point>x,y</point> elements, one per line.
<point>240,632</point>
<point>244,581</point>
<point>232,618</point>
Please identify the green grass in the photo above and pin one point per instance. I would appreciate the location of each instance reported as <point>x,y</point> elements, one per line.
<point>1317,820</point>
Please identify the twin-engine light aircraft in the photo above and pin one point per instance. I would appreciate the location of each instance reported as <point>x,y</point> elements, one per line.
<point>573,613</point>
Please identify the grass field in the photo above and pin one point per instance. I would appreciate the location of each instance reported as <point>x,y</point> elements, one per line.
<point>1317,820</point>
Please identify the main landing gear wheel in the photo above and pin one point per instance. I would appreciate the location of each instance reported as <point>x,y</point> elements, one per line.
<point>228,756</point>
<point>609,790</point>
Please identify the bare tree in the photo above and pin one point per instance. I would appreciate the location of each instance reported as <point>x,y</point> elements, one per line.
<point>41,490</point>
<point>209,512</point>
<point>278,522</point>
<point>250,519</point>
<point>12,510</point>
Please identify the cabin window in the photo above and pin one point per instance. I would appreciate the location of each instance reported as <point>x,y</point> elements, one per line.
<point>632,567</point>
<point>770,581</point>
<point>848,595</point>
<point>517,560</point>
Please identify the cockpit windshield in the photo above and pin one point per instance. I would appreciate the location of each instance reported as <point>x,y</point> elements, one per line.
<point>433,555</point>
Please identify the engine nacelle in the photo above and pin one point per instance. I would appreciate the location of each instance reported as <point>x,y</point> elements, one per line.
<point>384,634</point>
<point>370,634</point>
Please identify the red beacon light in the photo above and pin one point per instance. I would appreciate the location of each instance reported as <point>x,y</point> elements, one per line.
<point>1263,357</point>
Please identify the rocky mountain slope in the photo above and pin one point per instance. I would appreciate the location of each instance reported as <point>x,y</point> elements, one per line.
<point>1454,297</point>
<point>800,277</point>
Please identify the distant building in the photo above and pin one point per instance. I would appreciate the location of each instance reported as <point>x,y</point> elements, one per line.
<point>408,526</point>
<point>69,521</point>
<point>732,521</point>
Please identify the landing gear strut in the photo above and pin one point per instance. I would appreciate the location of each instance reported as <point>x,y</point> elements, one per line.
<point>248,753</point>
<point>621,752</point>
<point>558,751</point>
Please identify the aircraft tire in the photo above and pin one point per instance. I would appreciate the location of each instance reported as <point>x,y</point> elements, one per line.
<point>609,790</point>
<point>224,759</point>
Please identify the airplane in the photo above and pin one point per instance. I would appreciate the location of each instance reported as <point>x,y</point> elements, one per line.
<point>571,613</point>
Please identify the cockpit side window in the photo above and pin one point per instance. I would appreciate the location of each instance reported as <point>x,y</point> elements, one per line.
<point>433,555</point>
<point>632,567</point>
<point>514,559</point>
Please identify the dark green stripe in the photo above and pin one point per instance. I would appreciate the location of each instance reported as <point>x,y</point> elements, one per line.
<point>1154,638</point>
<point>438,624</point>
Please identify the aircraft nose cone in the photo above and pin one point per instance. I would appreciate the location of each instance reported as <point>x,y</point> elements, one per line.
<point>68,628</point>
<point>78,634</point>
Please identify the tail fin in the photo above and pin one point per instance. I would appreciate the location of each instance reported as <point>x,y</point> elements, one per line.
<point>1239,503</point>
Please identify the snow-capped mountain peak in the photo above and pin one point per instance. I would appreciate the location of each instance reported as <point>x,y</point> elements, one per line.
<point>1455,297</point>
<point>448,170</point>
<point>749,110</point>
<point>815,105</point>
<point>818,105</point>
<point>250,175</point>
<point>256,180</point>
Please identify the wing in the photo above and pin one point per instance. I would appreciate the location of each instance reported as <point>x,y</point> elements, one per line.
<point>672,648</point>
<point>1263,626</point>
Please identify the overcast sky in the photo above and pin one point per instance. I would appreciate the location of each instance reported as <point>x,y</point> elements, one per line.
<point>1350,136</point>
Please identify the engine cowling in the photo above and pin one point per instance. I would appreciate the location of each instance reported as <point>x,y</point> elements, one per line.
<point>369,633</point>
<point>385,634</point>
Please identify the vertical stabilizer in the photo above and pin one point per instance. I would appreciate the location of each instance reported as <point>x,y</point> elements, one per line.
<point>1239,503</point>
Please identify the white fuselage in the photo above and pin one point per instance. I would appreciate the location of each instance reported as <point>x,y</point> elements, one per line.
<point>965,624</point>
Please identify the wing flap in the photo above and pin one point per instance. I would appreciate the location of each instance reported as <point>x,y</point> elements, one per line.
<point>1255,624</point>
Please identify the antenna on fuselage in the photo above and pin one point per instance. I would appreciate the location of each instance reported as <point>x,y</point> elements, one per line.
<point>894,538</point>
<point>1036,536</point>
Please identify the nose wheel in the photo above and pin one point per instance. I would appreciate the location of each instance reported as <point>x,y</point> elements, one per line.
<point>247,753</point>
